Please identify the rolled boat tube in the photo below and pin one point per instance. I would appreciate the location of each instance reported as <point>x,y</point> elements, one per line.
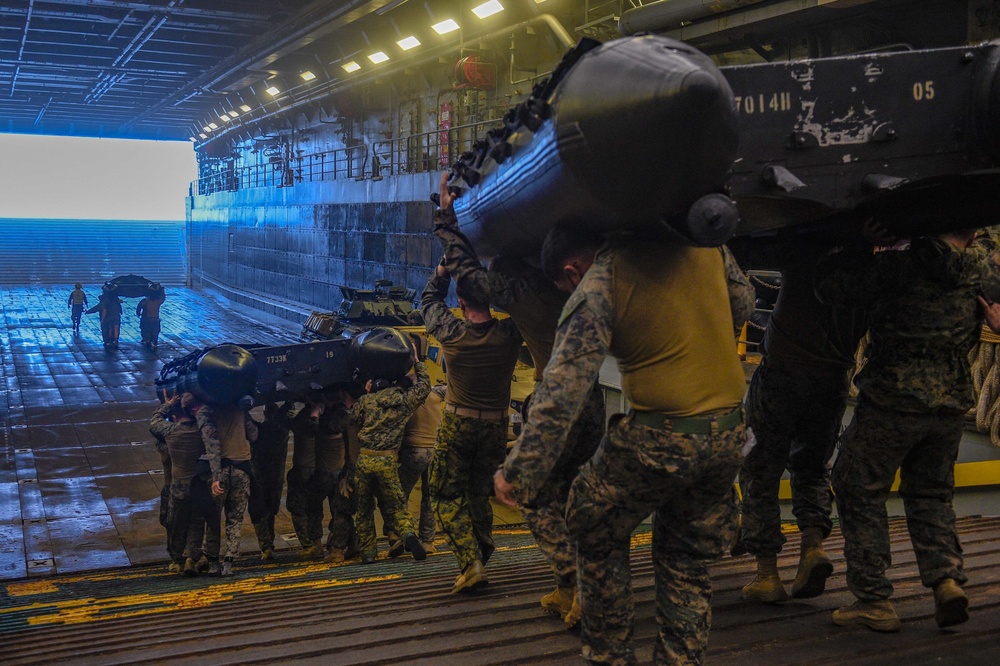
<point>626,135</point>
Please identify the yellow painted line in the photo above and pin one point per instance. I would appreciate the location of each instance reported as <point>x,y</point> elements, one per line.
<point>967,475</point>
<point>92,609</point>
<point>31,587</point>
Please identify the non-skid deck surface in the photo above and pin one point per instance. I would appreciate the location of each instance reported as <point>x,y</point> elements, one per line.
<point>402,612</point>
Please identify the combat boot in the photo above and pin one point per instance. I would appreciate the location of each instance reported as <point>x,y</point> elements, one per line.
<point>814,566</point>
<point>766,587</point>
<point>412,544</point>
<point>473,577</point>
<point>190,567</point>
<point>575,612</point>
<point>174,567</point>
<point>336,556</point>
<point>267,554</point>
<point>312,552</point>
<point>951,606</point>
<point>559,600</point>
<point>428,547</point>
<point>213,568</point>
<point>397,547</point>
<point>202,564</point>
<point>876,615</point>
<point>227,569</point>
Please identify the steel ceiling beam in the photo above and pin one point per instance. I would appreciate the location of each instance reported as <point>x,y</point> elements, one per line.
<point>258,11</point>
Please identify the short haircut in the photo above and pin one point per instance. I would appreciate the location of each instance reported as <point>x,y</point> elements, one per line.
<point>562,245</point>
<point>465,290</point>
<point>188,401</point>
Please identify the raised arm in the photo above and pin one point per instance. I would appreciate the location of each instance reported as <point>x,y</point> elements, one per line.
<point>438,318</point>
<point>159,426</point>
<point>210,438</point>
<point>582,341</point>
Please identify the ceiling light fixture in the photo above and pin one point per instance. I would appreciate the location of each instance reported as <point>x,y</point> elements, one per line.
<point>233,114</point>
<point>351,67</point>
<point>207,128</point>
<point>488,9</point>
<point>245,108</point>
<point>213,126</point>
<point>203,136</point>
<point>378,56</point>
<point>307,75</point>
<point>224,118</point>
<point>444,27</point>
<point>408,43</point>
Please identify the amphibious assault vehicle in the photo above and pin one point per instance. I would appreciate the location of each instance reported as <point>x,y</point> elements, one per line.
<point>390,305</point>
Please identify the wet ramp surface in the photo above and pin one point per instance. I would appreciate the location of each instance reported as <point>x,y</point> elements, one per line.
<point>401,611</point>
<point>79,475</point>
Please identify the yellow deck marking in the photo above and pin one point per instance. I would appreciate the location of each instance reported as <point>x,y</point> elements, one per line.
<point>31,587</point>
<point>967,475</point>
<point>91,609</point>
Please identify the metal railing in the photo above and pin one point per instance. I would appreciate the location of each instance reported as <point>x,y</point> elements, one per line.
<point>417,153</point>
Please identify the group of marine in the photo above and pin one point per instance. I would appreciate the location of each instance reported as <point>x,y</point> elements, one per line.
<point>669,313</point>
<point>109,308</point>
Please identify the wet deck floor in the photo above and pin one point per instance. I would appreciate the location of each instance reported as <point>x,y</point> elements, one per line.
<point>83,560</point>
<point>79,475</point>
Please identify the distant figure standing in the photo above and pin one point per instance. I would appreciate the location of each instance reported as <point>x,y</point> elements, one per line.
<point>148,312</point>
<point>109,306</point>
<point>77,301</point>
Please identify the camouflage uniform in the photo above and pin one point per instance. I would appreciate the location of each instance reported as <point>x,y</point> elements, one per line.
<point>684,478</point>
<point>415,458</point>
<point>914,392</point>
<point>534,303</point>
<point>161,448</point>
<point>797,397</point>
<point>204,531</point>
<point>466,454</point>
<point>227,432</point>
<point>469,448</point>
<point>332,442</point>
<point>267,462</point>
<point>381,418</point>
<point>304,500</point>
<point>183,444</point>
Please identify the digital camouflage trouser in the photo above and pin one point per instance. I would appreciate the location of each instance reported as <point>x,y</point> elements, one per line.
<point>795,418</point>
<point>414,465</point>
<point>466,454</point>
<point>923,447</point>
<point>178,518</point>
<point>546,516</point>
<point>377,477</point>
<point>305,504</point>
<point>686,481</point>
<point>233,501</point>
<point>204,531</point>
<point>342,533</point>
<point>265,501</point>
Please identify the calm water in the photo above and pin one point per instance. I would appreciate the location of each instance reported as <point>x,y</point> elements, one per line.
<point>42,251</point>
